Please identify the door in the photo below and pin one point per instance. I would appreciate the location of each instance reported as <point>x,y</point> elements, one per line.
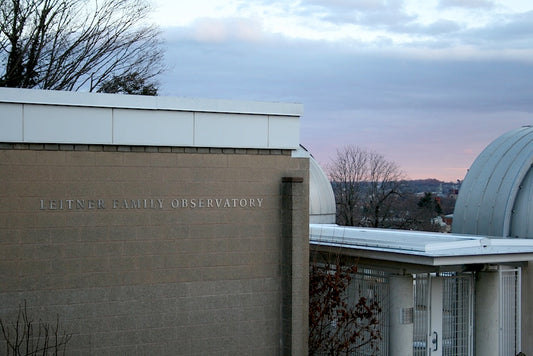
<point>436,290</point>
<point>443,315</point>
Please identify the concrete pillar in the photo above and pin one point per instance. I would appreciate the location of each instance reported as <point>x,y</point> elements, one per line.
<point>487,325</point>
<point>294,266</point>
<point>527,309</point>
<point>401,315</point>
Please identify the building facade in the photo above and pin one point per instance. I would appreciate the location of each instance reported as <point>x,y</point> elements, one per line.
<point>152,225</point>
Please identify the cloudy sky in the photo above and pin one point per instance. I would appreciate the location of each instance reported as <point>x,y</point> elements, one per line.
<point>426,83</point>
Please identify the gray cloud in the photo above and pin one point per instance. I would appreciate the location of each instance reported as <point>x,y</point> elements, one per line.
<point>440,27</point>
<point>368,13</point>
<point>469,4</point>
<point>338,77</point>
<point>399,104</point>
<point>505,31</point>
<point>375,13</point>
<point>511,31</point>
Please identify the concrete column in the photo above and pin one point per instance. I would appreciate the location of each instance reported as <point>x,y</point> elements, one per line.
<point>527,309</point>
<point>487,325</point>
<point>294,266</point>
<point>401,315</point>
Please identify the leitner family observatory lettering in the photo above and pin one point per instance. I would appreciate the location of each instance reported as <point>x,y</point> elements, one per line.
<point>152,204</point>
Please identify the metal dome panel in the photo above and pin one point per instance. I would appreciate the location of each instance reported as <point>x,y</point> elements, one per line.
<point>322,209</point>
<point>521,222</point>
<point>489,191</point>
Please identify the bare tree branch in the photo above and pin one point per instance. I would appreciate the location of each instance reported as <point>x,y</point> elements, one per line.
<point>26,337</point>
<point>76,44</point>
<point>338,326</point>
<point>365,185</point>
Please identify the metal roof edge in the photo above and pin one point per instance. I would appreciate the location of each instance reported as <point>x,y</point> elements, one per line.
<point>143,102</point>
<point>422,249</point>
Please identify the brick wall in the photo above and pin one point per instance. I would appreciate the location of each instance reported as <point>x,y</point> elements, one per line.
<point>101,237</point>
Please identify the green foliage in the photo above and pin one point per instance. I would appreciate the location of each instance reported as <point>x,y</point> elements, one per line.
<point>130,83</point>
<point>430,203</point>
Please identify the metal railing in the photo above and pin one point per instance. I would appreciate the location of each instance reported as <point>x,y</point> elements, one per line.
<point>373,285</point>
<point>510,313</point>
<point>456,317</point>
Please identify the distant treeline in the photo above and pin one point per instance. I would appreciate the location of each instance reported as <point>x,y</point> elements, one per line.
<point>429,185</point>
<point>422,186</point>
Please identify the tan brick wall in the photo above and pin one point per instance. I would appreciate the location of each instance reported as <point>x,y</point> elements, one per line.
<point>154,280</point>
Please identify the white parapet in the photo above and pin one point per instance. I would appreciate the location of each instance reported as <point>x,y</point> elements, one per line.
<point>43,116</point>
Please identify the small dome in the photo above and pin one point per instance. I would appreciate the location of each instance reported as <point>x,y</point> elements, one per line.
<point>322,208</point>
<point>495,196</point>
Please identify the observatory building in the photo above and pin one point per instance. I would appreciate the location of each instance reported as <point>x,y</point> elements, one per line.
<point>465,293</point>
<point>496,200</point>
<point>155,225</point>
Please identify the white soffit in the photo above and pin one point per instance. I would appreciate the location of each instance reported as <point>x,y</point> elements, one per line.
<point>42,116</point>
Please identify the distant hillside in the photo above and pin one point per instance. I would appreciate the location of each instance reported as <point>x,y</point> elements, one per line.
<point>430,185</point>
<point>425,185</point>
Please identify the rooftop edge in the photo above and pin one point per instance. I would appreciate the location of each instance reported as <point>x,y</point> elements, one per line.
<point>104,100</point>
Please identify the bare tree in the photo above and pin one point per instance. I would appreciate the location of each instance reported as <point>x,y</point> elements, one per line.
<point>347,173</point>
<point>366,186</point>
<point>24,336</point>
<point>76,44</point>
<point>132,83</point>
<point>337,324</point>
<point>384,186</point>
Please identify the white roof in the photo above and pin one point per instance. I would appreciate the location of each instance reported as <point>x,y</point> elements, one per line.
<point>45,116</point>
<point>426,248</point>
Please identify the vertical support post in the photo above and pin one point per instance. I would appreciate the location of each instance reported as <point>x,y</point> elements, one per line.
<point>294,266</point>
<point>435,338</point>
<point>401,315</point>
<point>487,333</point>
<point>510,314</point>
<point>526,294</point>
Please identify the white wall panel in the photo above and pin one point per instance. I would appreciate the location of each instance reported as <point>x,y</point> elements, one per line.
<point>283,132</point>
<point>67,124</point>
<point>11,123</point>
<point>47,116</point>
<point>150,127</point>
<point>231,130</point>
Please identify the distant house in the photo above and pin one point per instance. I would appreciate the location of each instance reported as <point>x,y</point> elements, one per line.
<point>448,219</point>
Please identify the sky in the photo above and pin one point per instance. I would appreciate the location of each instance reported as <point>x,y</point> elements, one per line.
<point>426,83</point>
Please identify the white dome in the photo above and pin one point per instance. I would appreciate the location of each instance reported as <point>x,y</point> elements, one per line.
<point>496,195</point>
<point>322,208</point>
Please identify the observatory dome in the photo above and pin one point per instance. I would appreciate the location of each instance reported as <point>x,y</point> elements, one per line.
<point>322,208</point>
<point>495,198</point>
